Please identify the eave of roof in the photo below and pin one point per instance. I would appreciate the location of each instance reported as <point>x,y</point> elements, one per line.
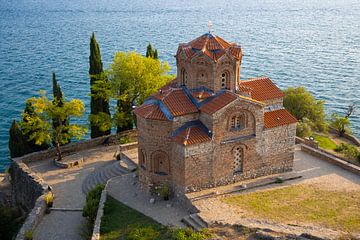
<point>261,89</point>
<point>278,118</point>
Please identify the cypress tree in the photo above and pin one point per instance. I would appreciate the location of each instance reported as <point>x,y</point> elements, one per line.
<point>156,54</point>
<point>58,99</point>
<point>18,144</point>
<point>149,51</point>
<point>98,104</point>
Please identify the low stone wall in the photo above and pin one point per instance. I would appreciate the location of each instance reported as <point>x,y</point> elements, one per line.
<point>99,215</point>
<point>331,159</point>
<point>33,219</point>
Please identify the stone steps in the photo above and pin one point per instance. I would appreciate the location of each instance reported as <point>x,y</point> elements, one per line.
<point>127,163</point>
<point>195,222</point>
<point>102,175</point>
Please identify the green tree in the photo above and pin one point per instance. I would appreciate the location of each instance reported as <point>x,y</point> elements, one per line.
<point>133,78</point>
<point>100,112</point>
<point>150,52</point>
<point>340,123</point>
<point>302,104</point>
<point>40,128</point>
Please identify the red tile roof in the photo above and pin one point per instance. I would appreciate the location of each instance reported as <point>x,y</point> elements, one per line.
<point>218,102</point>
<point>211,45</point>
<point>150,111</point>
<point>176,101</point>
<point>278,118</point>
<point>192,135</point>
<point>261,88</point>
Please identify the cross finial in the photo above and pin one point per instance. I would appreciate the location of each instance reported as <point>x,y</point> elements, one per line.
<point>209,26</point>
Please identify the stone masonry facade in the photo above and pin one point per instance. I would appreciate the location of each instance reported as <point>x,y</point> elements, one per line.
<point>208,128</point>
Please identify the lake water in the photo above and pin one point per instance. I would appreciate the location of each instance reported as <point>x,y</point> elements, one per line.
<point>312,43</point>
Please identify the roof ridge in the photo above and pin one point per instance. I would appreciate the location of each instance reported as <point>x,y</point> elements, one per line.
<point>255,79</point>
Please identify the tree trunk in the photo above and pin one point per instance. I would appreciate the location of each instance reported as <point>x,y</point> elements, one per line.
<point>58,150</point>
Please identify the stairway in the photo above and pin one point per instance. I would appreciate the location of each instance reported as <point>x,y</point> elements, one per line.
<point>103,174</point>
<point>195,222</point>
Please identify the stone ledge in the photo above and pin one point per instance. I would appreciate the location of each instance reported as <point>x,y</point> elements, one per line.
<point>69,163</point>
<point>323,155</point>
<point>99,215</point>
<point>33,219</point>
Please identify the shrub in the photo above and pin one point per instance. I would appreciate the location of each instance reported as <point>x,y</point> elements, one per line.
<point>350,151</point>
<point>92,203</point>
<point>163,191</point>
<point>189,234</point>
<point>49,198</point>
<point>125,139</point>
<point>29,235</point>
<point>142,233</point>
<point>303,129</point>
<point>11,220</point>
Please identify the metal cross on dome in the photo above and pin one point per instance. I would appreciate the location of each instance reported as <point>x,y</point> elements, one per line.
<point>209,26</point>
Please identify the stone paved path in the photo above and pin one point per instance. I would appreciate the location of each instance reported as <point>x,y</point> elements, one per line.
<point>67,186</point>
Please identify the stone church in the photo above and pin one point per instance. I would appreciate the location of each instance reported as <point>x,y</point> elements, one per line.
<point>208,128</point>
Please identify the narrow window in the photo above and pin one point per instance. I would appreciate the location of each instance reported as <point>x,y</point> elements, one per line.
<point>225,80</point>
<point>238,159</point>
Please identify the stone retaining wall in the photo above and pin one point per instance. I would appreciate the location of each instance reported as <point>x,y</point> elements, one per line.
<point>331,159</point>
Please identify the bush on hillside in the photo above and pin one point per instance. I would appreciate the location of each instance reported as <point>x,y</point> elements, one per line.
<point>92,203</point>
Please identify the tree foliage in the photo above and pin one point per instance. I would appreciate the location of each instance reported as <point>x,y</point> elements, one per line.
<point>340,123</point>
<point>133,78</point>
<point>99,99</point>
<point>302,104</point>
<point>40,128</point>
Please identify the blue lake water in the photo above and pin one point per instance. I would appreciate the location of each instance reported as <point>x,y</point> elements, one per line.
<point>312,43</point>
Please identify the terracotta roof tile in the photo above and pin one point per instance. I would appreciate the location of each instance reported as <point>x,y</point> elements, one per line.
<point>262,88</point>
<point>150,111</point>
<point>212,46</point>
<point>278,118</point>
<point>218,102</point>
<point>192,135</point>
<point>176,101</point>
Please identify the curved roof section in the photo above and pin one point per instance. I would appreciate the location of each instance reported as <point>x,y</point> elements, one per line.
<point>192,133</point>
<point>260,89</point>
<point>150,111</point>
<point>212,46</point>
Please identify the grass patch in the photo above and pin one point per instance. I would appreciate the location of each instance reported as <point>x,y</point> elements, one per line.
<point>325,142</point>
<point>304,204</point>
<point>122,222</point>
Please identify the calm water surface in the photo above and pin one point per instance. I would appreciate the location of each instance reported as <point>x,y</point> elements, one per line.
<point>312,43</point>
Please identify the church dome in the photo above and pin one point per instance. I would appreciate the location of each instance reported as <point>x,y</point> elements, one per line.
<point>211,45</point>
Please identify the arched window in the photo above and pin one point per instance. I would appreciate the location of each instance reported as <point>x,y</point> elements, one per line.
<point>225,80</point>
<point>142,159</point>
<point>237,122</point>
<point>184,77</point>
<point>238,159</point>
<point>160,163</point>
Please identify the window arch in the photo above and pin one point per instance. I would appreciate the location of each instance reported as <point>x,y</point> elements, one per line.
<point>225,80</point>
<point>160,163</point>
<point>238,159</point>
<point>184,77</point>
<point>237,122</point>
<point>142,159</point>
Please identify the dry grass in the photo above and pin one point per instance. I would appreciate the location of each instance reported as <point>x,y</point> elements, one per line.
<point>303,204</point>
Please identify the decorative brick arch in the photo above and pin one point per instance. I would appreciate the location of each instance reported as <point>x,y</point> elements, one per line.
<point>225,77</point>
<point>160,163</point>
